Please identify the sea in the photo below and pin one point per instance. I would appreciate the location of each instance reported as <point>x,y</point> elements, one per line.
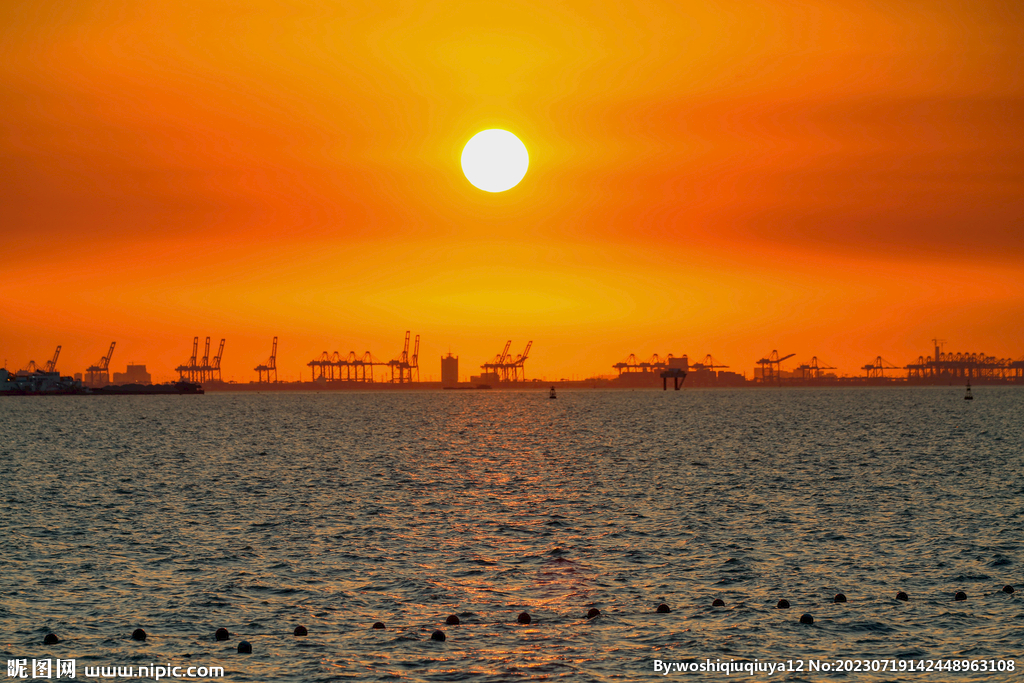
<point>261,512</point>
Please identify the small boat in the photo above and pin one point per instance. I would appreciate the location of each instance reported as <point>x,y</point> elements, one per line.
<point>551,394</point>
<point>967,396</point>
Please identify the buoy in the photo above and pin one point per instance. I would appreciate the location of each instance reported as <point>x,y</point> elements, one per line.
<point>594,612</point>
<point>245,648</point>
<point>300,631</point>
<point>138,634</point>
<point>839,598</point>
<point>806,619</point>
<point>960,595</point>
<point>50,639</point>
<point>452,620</point>
<point>437,635</point>
<point>782,604</point>
<point>379,625</point>
<point>524,618</point>
<point>221,634</point>
<point>1008,588</point>
<point>902,596</point>
<point>718,602</point>
<point>663,609</point>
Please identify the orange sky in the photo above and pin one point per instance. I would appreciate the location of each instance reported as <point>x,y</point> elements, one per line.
<point>842,179</point>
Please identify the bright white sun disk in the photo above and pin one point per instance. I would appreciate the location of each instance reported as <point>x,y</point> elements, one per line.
<point>495,160</point>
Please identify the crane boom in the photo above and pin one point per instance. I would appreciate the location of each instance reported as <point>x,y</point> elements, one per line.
<point>216,359</point>
<point>51,365</point>
<point>105,361</point>
<point>405,349</point>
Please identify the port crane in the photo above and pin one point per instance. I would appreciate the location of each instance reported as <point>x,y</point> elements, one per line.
<point>189,368</point>
<point>99,375</point>
<point>51,365</point>
<point>205,364</point>
<point>495,365</point>
<point>517,369</point>
<point>815,370</point>
<point>270,366</point>
<point>771,367</point>
<point>707,364</point>
<point>333,366</point>
<point>878,367</point>
<point>633,364</point>
<point>402,366</point>
<point>215,368</point>
<point>414,364</point>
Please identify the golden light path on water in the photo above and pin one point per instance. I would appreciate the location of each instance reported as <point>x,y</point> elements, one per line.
<point>261,512</point>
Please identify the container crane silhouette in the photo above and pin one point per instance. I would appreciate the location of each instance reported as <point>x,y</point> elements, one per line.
<point>269,367</point>
<point>189,369</point>
<point>876,370</point>
<point>401,367</point>
<point>517,369</point>
<point>51,365</point>
<point>99,374</point>
<point>496,365</point>
<point>204,366</point>
<point>814,370</point>
<point>771,367</point>
<point>215,368</point>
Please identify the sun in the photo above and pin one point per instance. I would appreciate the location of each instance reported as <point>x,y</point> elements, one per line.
<point>494,160</point>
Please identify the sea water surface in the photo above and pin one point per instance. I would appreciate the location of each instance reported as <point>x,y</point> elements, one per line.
<point>261,512</point>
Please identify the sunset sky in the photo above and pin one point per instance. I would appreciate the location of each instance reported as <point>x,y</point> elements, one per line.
<point>836,178</point>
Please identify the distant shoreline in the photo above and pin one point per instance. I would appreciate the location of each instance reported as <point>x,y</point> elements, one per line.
<point>227,387</point>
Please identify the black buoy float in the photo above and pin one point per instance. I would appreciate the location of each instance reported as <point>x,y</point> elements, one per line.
<point>524,618</point>
<point>437,635</point>
<point>50,639</point>
<point>839,598</point>
<point>718,602</point>
<point>138,634</point>
<point>1008,589</point>
<point>245,648</point>
<point>806,619</point>
<point>902,596</point>
<point>782,604</point>
<point>593,612</point>
<point>663,609</point>
<point>221,634</point>
<point>300,631</point>
<point>960,595</point>
<point>452,620</point>
<point>379,625</point>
